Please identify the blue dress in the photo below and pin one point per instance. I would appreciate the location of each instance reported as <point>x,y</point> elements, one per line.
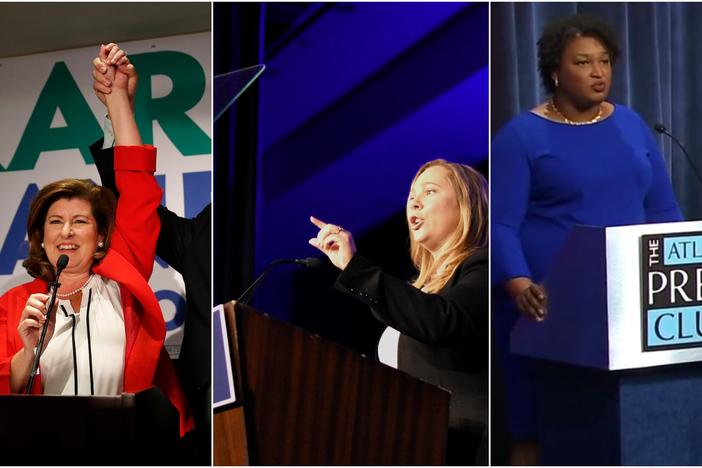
<point>546,177</point>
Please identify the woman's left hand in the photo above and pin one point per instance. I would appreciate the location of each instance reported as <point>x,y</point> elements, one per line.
<point>112,72</point>
<point>334,241</point>
<point>112,63</point>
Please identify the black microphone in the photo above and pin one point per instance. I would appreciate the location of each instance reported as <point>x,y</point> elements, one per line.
<point>61,264</point>
<point>309,262</point>
<point>660,128</point>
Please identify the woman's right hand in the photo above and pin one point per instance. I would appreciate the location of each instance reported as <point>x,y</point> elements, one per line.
<point>334,241</point>
<point>529,297</point>
<point>32,320</point>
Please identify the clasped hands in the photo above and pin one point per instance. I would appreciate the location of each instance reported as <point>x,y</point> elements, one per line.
<point>113,70</point>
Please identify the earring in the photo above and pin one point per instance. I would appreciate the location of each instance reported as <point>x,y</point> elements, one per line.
<point>555,80</point>
<point>42,245</point>
<point>101,244</point>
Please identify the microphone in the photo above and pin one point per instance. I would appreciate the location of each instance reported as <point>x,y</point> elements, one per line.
<point>61,264</point>
<point>309,262</point>
<point>660,128</point>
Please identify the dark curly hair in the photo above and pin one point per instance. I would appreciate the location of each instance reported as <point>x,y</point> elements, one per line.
<point>102,202</point>
<point>559,32</point>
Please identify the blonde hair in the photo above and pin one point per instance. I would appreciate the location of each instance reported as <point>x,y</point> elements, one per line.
<point>471,191</point>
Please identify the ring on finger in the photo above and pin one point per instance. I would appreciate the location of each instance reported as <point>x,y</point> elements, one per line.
<point>338,230</point>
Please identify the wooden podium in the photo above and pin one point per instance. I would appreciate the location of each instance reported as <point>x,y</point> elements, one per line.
<point>304,400</point>
<point>128,429</point>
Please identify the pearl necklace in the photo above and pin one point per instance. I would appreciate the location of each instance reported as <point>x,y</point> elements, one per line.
<point>565,119</point>
<point>76,291</point>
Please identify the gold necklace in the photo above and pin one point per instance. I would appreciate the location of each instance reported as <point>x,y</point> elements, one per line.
<point>565,119</point>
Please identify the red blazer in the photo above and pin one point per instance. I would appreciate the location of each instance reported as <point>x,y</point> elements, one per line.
<point>129,262</point>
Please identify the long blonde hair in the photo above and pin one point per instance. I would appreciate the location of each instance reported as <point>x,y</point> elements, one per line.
<point>471,191</point>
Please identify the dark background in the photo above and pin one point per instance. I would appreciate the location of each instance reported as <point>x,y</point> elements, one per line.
<point>354,99</point>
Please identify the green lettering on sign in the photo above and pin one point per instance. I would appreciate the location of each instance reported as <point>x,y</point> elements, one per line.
<point>60,93</point>
<point>169,111</point>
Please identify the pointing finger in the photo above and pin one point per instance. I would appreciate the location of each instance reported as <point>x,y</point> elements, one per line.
<point>317,222</point>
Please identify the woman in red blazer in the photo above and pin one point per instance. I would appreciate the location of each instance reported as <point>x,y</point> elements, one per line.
<point>107,332</point>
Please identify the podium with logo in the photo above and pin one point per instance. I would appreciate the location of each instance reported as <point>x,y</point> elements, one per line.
<point>618,359</point>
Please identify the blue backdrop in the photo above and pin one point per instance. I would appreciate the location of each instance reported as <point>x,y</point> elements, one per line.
<point>657,74</point>
<point>349,109</point>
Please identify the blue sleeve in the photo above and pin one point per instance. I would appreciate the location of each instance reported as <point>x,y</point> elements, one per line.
<point>510,181</point>
<point>660,203</point>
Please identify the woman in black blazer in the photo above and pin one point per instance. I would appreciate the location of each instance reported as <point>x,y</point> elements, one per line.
<point>438,324</point>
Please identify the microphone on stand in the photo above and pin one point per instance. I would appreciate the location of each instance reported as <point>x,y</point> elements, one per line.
<point>309,262</point>
<point>660,128</point>
<point>61,264</point>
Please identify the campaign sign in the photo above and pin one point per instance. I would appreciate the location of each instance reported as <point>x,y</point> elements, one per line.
<point>672,291</point>
<point>50,116</point>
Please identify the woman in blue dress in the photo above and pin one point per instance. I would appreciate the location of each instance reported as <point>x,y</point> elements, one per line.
<point>574,159</point>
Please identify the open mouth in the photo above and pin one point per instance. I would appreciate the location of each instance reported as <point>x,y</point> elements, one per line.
<point>599,87</point>
<point>67,247</point>
<point>415,222</point>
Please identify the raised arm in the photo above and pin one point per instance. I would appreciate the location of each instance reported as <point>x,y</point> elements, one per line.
<point>119,105</point>
<point>176,232</point>
<point>461,313</point>
<point>137,224</point>
<point>103,79</point>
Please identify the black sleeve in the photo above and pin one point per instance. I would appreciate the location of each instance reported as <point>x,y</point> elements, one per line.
<point>177,234</point>
<point>105,164</point>
<point>458,312</point>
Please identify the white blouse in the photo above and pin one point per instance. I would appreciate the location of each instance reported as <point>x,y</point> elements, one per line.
<point>78,353</point>
<point>387,347</point>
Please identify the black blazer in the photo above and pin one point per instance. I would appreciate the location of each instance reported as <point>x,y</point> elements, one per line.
<point>185,244</point>
<point>444,337</point>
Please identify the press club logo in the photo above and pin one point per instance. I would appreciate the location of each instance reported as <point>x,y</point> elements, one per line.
<point>672,291</point>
